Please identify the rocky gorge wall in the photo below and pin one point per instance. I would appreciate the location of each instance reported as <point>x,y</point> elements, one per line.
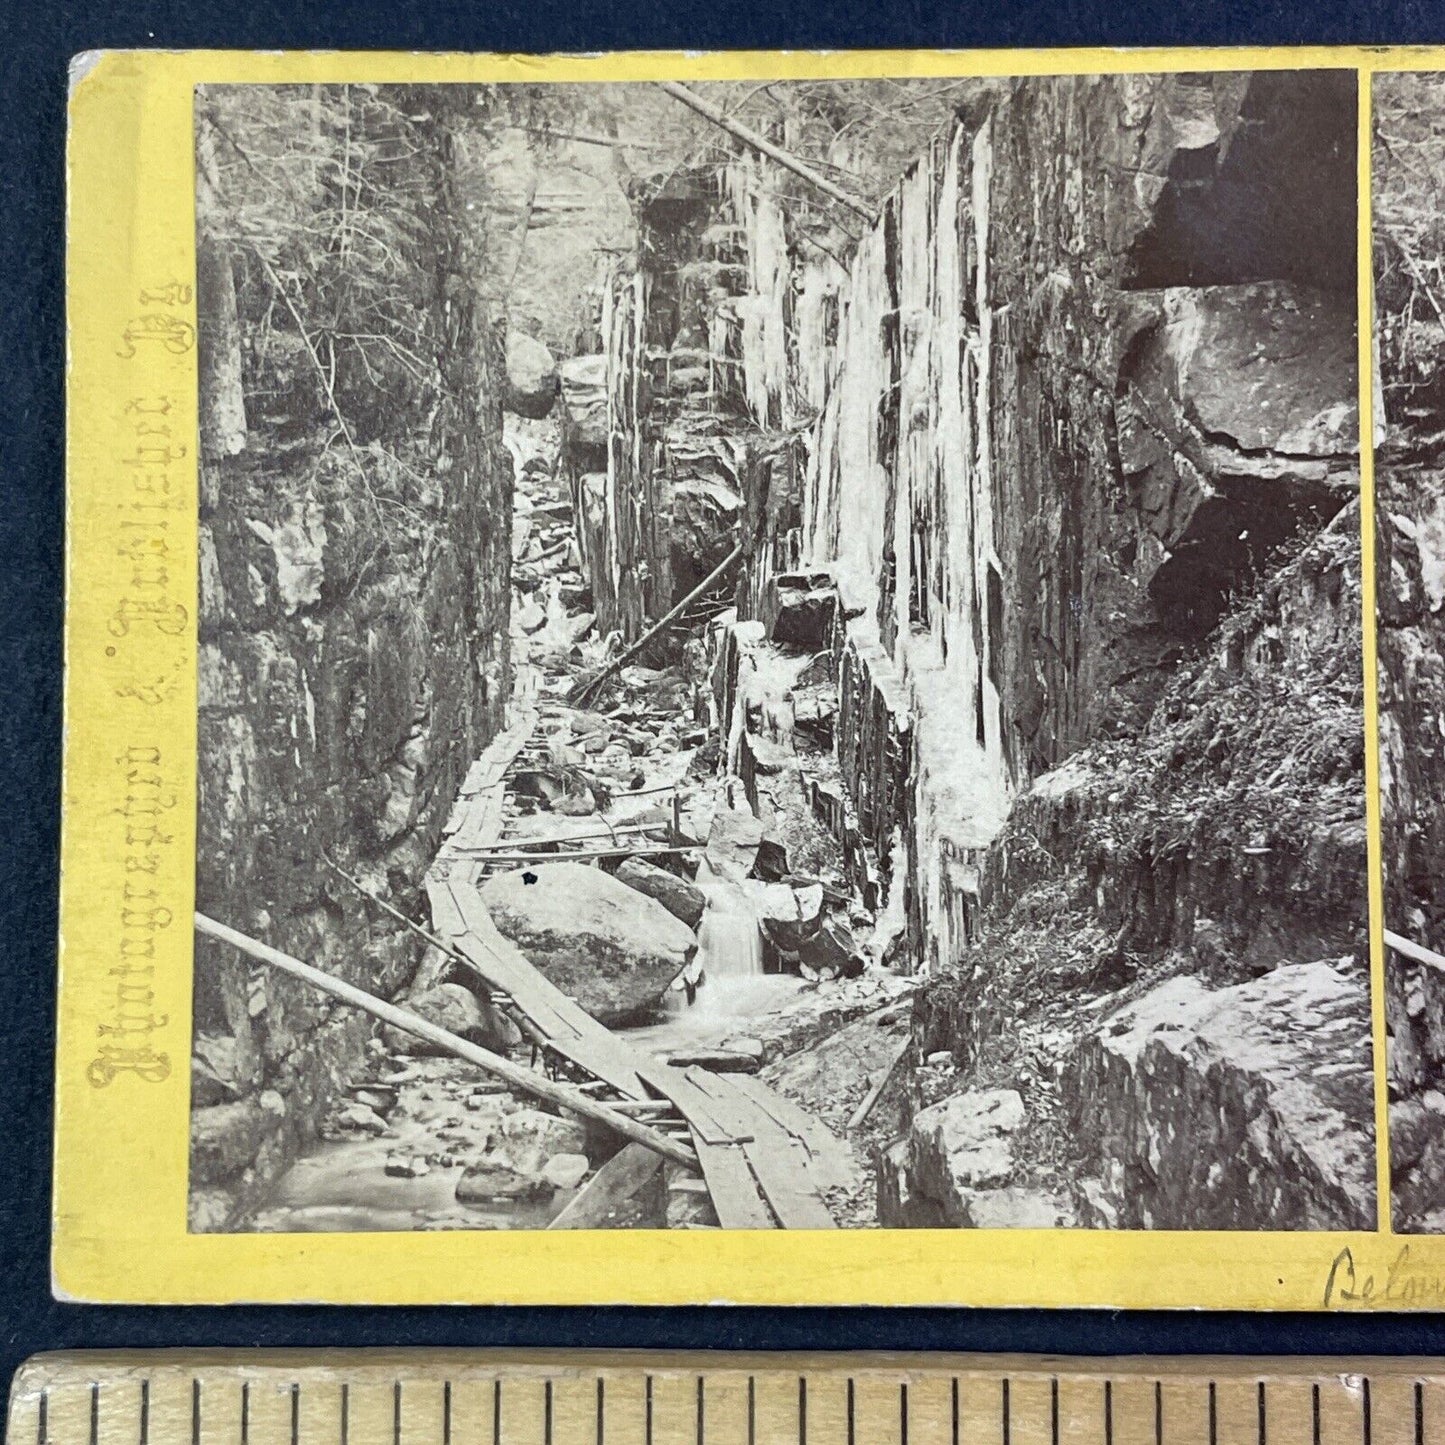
<point>353,649</point>
<point>1410,623</point>
<point>1076,513</point>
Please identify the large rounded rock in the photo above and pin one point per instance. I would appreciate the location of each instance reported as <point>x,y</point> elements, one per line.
<point>450,1006</point>
<point>531,376</point>
<point>611,948</point>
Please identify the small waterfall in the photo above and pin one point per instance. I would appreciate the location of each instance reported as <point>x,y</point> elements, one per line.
<point>729,943</point>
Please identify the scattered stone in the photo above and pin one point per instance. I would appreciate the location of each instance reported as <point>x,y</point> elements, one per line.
<point>720,1061</point>
<point>684,900</point>
<point>515,1164</point>
<point>400,1166</point>
<point>611,948</point>
<point>380,1098</point>
<point>359,1118</point>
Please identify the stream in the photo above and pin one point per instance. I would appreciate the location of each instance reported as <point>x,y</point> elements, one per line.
<point>445,1116</point>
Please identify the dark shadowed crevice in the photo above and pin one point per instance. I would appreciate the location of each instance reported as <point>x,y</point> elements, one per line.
<point>1254,204</point>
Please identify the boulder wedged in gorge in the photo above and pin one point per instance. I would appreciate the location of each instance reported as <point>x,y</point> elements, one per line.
<point>532,380</point>
<point>608,946</point>
<point>1250,1107</point>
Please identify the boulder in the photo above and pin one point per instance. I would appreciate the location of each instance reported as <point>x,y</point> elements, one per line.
<point>518,1158</point>
<point>684,900</point>
<point>1250,1107</point>
<point>801,609</point>
<point>566,1171</point>
<point>831,951</point>
<point>964,1143</point>
<point>611,948</point>
<point>449,1006</point>
<point>789,912</point>
<point>531,376</point>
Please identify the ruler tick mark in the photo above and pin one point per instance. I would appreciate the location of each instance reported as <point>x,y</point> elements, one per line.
<point>1108,1412</point>
<point>1007,1423</point>
<point>903,1413</point>
<point>1213,1416</point>
<point>396,1413</point>
<point>94,1411</point>
<point>752,1411</point>
<point>700,1410</point>
<point>195,1413</point>
<point>852,1439</point>
<point>1367,1425</point>
<point>295,1413</point>
<point>546,1413</point>
<point>1419,1413</point>
<point>647,1417</point>
<point>345,1411</point>
<point>1263,1417</point>
<point>446,1412</point>
<point>497,1411</point>
<point>802,1410</point>
<point>601,1415</point>
<point>245,1414</point>
<point>145,1413</point>
<point>1315,1411</point>
<point>1054,1410</point>
<point>953,1437</point>
<point>1158,1412</point>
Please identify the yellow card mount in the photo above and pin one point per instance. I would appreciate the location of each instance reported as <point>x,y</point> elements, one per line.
<point>586,1398</point>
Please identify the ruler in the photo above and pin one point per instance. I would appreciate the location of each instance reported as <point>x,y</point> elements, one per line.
<point>584,1398</point>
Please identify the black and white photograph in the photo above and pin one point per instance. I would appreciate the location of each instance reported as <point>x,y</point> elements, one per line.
<point>788,654</point>
<point>1408,221</point>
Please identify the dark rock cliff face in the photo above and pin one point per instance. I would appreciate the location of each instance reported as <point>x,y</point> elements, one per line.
<point>353,660</point>
<point>1410,619</point>
<point>1080,473</point>
<point>655,457</point>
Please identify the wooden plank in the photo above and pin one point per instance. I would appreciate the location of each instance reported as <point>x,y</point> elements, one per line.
<point>574,1033</point>
<point>730,1182</point>
<point>692,1102</point>
<point>617,1181</point>
<point>830,1161</point>
<point>777,1159</point>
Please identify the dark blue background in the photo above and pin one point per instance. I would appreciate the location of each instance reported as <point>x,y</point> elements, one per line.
<point>38,40</point>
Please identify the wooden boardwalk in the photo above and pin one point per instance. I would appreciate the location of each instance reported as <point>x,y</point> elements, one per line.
<point>765,1163</point>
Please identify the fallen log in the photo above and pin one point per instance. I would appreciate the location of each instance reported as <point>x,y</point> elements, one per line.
<point>564,1096</point>
<point>1415,951</point>
<point>582,690</point>
<point>871,1098</point>
<point>617,1181</point>
<point>763,146</point>
<point>579,853</point>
